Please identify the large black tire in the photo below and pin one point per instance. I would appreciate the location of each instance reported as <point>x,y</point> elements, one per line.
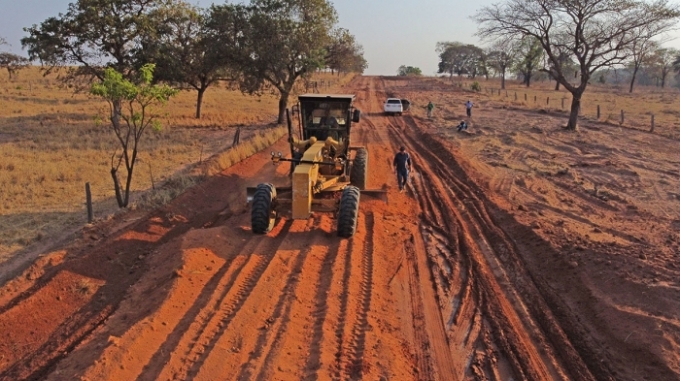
<point>262,215</point>
<point>359,172</point>
<point>348,213</point>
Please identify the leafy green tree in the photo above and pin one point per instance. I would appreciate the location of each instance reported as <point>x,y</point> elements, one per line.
<point>186,51</point>
<point>409,71</point>
<point>283,41</point>
<point>596,33</point>
<point>130,121</point>
<point>93,35</point>
<point>13,63</point>
<point>458,58</point>
<point>344,54</point>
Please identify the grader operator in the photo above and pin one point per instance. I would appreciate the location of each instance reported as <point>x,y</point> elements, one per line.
<point>328,174</point>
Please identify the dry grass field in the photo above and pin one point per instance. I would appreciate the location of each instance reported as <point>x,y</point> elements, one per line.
<point>638,106</point>
<point>51,144</point>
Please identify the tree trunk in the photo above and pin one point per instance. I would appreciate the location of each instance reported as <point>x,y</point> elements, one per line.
<point>128,181</point>
<point>575,108</point>
<point>663,80</point>
<point>557,85</point>
<point>632,80</point>
<point>528,78</point>
<point>115,116</point>
<point>199,102</point>
<point>503,80</point>
<point>283,103</point>
<point>116,187</point>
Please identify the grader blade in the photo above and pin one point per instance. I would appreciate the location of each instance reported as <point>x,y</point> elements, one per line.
<point>380,194</point>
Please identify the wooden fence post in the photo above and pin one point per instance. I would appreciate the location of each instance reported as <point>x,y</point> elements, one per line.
<point>515,95</point>
<point>547,101</point>
<point>525,96</point>
<point>598,112</point>
<point>88,201</point>
<point>622,118</point>
<point>237,137</point>
<point>652,129</point>
<point>535,98</point>
<point>562,103</point>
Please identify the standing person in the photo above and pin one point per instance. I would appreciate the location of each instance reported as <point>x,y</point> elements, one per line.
<point>402,164</point>
<point>430,107</point>
<point>468,107</point>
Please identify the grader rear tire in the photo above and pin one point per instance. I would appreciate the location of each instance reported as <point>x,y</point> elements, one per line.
<point>348,213</point>
<point>359,173</point>
<point>262,215</point>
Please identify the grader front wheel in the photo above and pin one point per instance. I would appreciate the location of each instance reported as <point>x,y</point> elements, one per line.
<point>263,216</point>
<point>348,213</point>
<point>359,172</point>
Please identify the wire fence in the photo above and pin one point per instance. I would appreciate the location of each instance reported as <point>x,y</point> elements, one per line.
<point>666,123</point>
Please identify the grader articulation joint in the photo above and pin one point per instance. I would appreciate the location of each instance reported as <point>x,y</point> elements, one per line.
<point>328,174</point>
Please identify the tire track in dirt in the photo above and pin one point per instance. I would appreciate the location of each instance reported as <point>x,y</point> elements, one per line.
<point>425,365</point>
<point>270,337</point>
<point>510,334</point>
<point>197,314</point>
<point>239,282</point>
<point>350,360</point>
<point>522,359</point>
<point>512,318</point>
<point>429,346</point>
<point>35,365</point>
<point>321,306</point>
<point>286,330</point>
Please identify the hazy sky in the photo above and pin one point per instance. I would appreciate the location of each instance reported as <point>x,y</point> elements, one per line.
<point>393,32</point>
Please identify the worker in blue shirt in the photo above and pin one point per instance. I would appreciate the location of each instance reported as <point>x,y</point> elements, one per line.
<point>402,164</point>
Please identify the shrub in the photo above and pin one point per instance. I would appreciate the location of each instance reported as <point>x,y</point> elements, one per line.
<point>475,86</point>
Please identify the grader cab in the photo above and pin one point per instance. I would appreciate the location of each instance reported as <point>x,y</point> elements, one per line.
<point>328,174</point>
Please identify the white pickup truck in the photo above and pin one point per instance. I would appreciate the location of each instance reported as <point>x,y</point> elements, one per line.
<point>396,106</point>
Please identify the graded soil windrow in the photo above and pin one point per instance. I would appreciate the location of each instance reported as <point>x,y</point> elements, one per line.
<point>519,251</point>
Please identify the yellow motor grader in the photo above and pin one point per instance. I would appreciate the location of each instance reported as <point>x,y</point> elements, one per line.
<point>328,174</point>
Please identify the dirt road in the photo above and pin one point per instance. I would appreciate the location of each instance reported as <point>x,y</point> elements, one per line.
<point>435,285</point>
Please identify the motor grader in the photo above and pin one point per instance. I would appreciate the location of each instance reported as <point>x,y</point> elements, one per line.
<point>328,174</point>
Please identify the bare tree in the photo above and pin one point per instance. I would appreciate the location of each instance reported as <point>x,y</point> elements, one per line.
<point>662,60</point>
<point>529,56</point>
<point>501,56</point>
<point>596,33</point>
<point>640,50</point>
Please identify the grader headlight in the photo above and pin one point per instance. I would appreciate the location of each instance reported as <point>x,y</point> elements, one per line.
<point>276,159</point>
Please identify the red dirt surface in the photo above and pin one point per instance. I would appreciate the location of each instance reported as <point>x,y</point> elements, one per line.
<point>520,251</point>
